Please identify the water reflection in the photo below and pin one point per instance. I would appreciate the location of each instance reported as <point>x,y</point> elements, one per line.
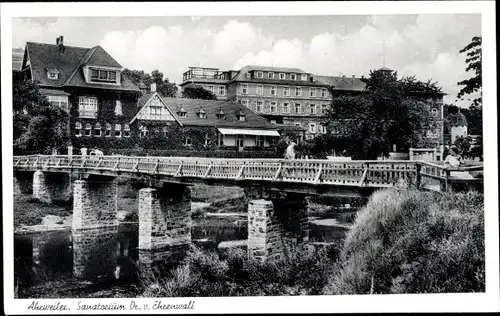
<point>111,254</point>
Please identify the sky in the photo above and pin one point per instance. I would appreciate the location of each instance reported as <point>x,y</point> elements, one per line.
<point>426,46</point>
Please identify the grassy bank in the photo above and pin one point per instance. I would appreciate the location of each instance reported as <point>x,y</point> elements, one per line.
<point>28,211</point>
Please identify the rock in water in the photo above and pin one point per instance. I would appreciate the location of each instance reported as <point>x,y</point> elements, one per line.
<point>51,220</point>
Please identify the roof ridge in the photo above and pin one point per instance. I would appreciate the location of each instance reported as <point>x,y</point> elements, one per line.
<point>80,63</point>
<point>80,47</point>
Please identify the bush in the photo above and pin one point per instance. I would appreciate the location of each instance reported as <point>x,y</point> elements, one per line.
<point>217,153</point>
<point>408,241</point>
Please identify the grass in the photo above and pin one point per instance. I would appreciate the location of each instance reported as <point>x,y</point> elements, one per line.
<point>408,241</point>
<point>232,274</point>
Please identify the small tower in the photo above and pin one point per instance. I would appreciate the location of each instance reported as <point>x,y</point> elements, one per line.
<point>458,124</point>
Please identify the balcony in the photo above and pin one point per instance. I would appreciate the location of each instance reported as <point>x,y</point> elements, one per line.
<point>205,73</point>
<point>87,114</point>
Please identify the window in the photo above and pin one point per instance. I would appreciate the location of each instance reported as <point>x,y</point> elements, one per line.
<point>244,102</point>
<point>222,90</point>
<point>60,101</point>
<point>97,130</point>
<point>312,128</point>
<point>312,108</point>
<point>239,140</point>
<point>324,108</point>
<point>155,110</point>
<point>211,89</point>
<point>298,124</point>
<point>286,107</point>
<point>78,129</point>
<point>126,130</point>
<point>103,75</point>
<point>322,129</point>
<point>143,131</point>
<point>293,76</point>
<point>182,112</point>
<point>118,108</point>
<point>274,107</point>
<point>88,130</point>
<point>260,141</point>
<point>260,74</point>
<point>308,137</point>
<point>270,75</point>
<point>323,93</point>
<point>108,130</point>
<point>242,117</point>
<point>52,75</point>
<point>286,91</point>
<point>202,114</point>
<point>187,141</point>
<point>87,107</point>
<point>259,106</point>
<point>118,130</point>
<point>282,76</point>
<point>303,77</point>
<point>273,121</point>
<point>207,139</point>
<point>260,90</point>
<point>298,108</point>
<point>312,92</point>
<point>221,115</point>
<point>298,92</point>
<point>273,90</point>
<point>434,112</point>
<point>244,89</point>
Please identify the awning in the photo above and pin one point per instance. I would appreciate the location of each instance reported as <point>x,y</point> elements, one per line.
<point>257,132</point>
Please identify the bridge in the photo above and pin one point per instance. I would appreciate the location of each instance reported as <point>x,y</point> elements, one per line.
<point>276,188</point>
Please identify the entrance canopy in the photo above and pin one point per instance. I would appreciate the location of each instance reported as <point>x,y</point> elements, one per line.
<point>255,132</point>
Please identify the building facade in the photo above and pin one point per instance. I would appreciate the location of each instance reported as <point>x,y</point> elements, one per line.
<point>89,84</point>
<point>291,98</point>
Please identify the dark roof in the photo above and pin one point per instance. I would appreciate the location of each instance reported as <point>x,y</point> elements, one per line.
<point>53,92</point>
<point>285,127</point>
<point>342,83</point>
<point>69,64</point>
<point>240,76</point>
<point>231,110</point>
<point>144,99</point>
<point>457,119</point>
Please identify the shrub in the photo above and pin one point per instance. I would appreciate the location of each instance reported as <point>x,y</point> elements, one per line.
<point>408,241</point>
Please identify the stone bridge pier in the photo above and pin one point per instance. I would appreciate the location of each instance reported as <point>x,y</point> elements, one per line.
<point>278,225</point>
<point>45,186</point>
<point>95,227</point>
<point>164,227</point>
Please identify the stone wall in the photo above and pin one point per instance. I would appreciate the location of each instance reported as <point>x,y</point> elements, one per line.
<point>23,183</point>
<point>276,229</point>
<point>95,228</point>
<point>164,216</point>
<point>48,187</point>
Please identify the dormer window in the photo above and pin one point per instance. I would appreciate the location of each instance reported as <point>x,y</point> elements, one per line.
<point>53,74</point>
<point>293,76</point>
<point>221,115</point>
<point>202,114</point>
<point>181,112</point>
<point>303,77</point>
<point>241,116</point>
<point>260,74</point>
<point>98,75</point>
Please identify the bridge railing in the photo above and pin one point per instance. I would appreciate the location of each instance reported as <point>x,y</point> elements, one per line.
<point>351,173</point>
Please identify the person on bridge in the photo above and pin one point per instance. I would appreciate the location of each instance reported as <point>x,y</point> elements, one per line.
<point>83,151</point>
<point>290,151</point>
<point>452,159</point>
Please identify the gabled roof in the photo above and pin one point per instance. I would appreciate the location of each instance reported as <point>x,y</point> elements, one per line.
<point>231,110</point>
<point>143,102</point>
<point>44,56</point>
<point>69,64</point>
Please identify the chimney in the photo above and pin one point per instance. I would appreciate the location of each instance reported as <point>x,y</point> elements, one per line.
<point>60,44</point>
<point>354,76</point>
<point>153,87</point>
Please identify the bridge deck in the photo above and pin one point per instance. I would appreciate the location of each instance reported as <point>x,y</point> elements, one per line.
<point>372,174</point>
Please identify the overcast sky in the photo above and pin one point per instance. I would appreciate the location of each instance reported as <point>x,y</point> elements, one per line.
<point>423,45</point>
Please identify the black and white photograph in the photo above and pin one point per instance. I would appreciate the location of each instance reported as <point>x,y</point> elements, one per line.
<point>169,158</point>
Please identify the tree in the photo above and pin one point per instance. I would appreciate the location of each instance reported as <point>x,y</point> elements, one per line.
<point>473,60</point>
<point>367,125</point>
<point>198,93</point>
<point>463,145</point>
<point>38,128</point>
<point>163,86</point>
